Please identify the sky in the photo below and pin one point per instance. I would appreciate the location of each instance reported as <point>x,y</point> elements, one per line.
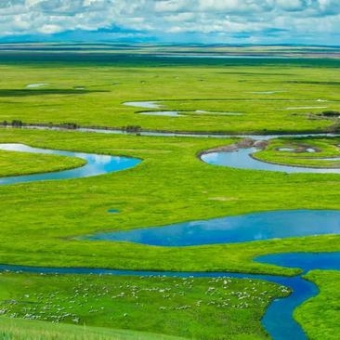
<point>306,22</point>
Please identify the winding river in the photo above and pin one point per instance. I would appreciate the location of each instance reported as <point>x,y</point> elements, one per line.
<point>95,165</point>
<point>242,159</point>
<point>278,320</point>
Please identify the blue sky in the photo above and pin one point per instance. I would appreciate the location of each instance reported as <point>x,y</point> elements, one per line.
<point>311,22</point>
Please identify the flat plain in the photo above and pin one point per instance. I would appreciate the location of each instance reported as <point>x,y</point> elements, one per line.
<point>42,223</point>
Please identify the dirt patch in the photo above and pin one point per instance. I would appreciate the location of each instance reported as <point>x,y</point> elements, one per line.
<point>242,144</point>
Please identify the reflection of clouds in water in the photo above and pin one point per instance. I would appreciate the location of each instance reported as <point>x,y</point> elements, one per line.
<point>97,159</point>
<point>15,147</point>
<point>96,165</point>
<point>210,157</point>
<point>144,105</point>
<point>260,236</point>
<point>243,228</point>
<point>162,113</point>
<point>242,160</point>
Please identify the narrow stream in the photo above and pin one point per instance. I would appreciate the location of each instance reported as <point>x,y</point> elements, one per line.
<point>278,319</point>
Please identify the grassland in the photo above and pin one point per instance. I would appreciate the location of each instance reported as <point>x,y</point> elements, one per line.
<point>187,307</point>
<point>23,163</point>
<point>71,208</point>
<point>21,329</point>
<point>318,153</point>
<point>271,95</point>
<point>40,222</point>
<point>326,304</point>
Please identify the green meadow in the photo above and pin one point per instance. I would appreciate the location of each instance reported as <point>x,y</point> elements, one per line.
<point>268,95</point>
<point>325,304</point>
<point>42,223</point>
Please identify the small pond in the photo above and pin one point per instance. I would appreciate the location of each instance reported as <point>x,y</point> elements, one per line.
<point>144,104</point>
<point>161,113</point>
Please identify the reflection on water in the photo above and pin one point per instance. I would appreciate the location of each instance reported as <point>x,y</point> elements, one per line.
<point>144,104</point>
<point>304,261</point>
<point>244,228</point>
<point>161,113</point>
<point>242,159</point>
<point>95,165</point>
<point>278,319</point>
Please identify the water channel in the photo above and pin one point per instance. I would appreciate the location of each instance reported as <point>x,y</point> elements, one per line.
<point>95,165</point>
<point>278,320</point>
<point>242,159</point>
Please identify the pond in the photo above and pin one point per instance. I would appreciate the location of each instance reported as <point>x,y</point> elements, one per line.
<point>161,113</point>
<point>144,104</point>
<point>233,229</point>
<point>155,105</point>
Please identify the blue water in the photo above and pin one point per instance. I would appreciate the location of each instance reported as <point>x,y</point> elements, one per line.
<point>304,261</point>
<point>113,211</point>
<point>156,133</point>
<point>278,319</point>
<point>244,228</point>
<point>241,159</point>
<point>144,104</point>
<point>95,165</point>
<point>161,113</point>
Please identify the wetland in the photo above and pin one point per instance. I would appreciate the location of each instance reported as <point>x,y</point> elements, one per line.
<point>171,186</point>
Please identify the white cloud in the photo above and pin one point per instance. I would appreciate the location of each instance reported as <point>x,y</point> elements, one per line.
<point>220,17</point>
<point>291,5</point>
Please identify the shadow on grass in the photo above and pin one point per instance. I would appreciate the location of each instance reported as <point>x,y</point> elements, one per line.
<point>337,83</point>
<point>40,92</point>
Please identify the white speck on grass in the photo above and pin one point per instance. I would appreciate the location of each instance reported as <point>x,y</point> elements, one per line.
<point>306,107</point>
<point>35,86</point>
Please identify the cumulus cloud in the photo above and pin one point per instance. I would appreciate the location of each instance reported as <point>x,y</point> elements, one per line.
<point>255,20</point>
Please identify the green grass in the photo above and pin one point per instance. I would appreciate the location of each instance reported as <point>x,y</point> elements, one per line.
<point>18,329</point>
<point>320,315</point>
<point>298,155</point>
<point>20,163</point>
<point>55,212</point>
<point>192,308</point>
<point>234,86</point>
<point>40,221</point>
